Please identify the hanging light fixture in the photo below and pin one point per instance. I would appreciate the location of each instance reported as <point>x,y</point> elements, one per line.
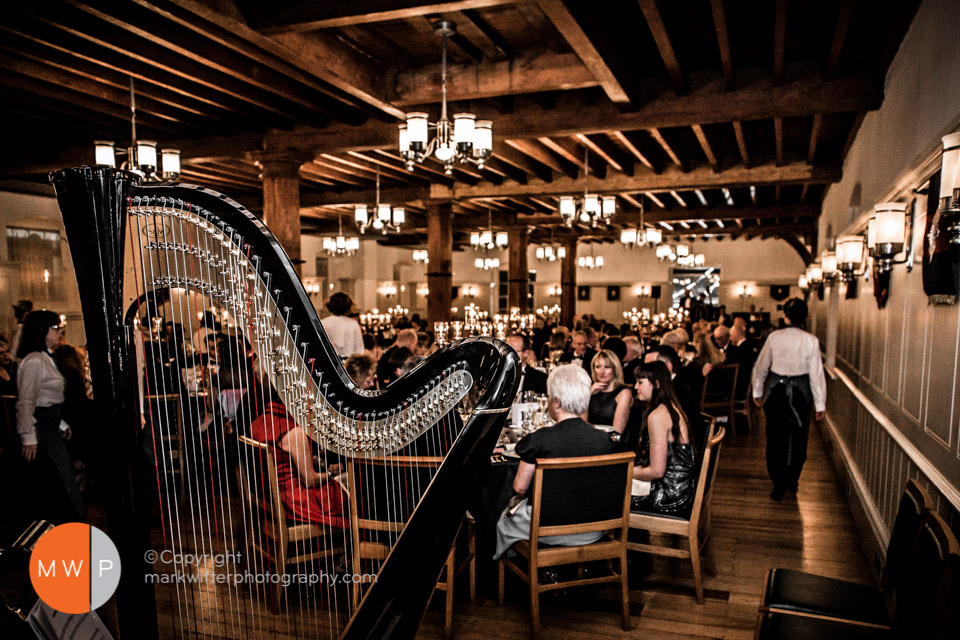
<point>340,245</point>
<point>638,237</point>
<point>420,256</point>
<point>591,261</point>
<point>593,208</point>
<point>488,239</point>
<point>486,264</point>
<point>665,252</point>
<point>464,140</point>
<point>384,216</point>
<point>551,252</point>
<point>141,155</point>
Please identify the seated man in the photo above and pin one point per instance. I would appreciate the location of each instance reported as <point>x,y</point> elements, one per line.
<point>568,390</point>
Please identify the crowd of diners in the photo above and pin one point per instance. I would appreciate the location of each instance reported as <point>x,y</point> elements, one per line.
<point>642,384</point>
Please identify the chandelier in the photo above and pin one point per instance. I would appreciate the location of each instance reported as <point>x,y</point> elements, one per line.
<point>551,252</point>
<point>486,264</point>
<point>340,245</point>
<point>591,261</point>
<point>420,256</point>
<point>592,208</point>
<point>385,218</point>
<point>631,237</point>
<point>470,140</point>
<point>141,155</point>
<point>487,240</point>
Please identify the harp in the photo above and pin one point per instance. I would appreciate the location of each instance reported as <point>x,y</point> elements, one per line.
<point>145,254</point>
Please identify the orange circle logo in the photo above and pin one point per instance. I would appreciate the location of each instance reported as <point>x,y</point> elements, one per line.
<point>75,568</point>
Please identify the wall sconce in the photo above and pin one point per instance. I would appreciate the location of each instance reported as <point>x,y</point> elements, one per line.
<point>746,291</point>
<point>803,284</point>
<point>828,266</point>
<point>469,291</point>
<point>554,291</point>
<point>423,290</point>
<point>950,186</point>
<point>312,287</point>
<point>889,233</point>
<point>850,257</point>
<point>814,274</point>
<point>641,290</point>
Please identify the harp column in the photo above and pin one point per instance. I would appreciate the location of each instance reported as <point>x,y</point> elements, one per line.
<point>519,274</point>
<point>568,282</point>
<point>280,173</point>
<point>440,252</point>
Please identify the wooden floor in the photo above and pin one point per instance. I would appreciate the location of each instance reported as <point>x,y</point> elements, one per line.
<point>812,531</point>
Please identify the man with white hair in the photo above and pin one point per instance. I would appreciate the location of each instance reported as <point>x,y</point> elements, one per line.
<point>568,390</point>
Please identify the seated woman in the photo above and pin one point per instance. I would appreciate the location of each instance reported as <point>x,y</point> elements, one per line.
<point>666,457</point>
<point>568,390</point>
<point>308,495</point>
<point>610,399</point>
<point>362,370</point>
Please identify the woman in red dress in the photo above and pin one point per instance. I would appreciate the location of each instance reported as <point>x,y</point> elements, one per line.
<point>308,495</point>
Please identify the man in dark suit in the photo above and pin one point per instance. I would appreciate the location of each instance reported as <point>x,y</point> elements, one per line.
<point>579,352</point>
<point>530,378</point>
<point>741,351</point>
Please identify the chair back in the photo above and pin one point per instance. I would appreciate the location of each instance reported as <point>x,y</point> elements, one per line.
<point>922,603</point>
<point>708,472</point>
<point>600,502</point>
<point>261,488</point>
<point>913,504</point>
<point>719,386</point>
<point>384,492</point>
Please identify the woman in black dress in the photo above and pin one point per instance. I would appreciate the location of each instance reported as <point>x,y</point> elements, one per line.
<point>666,457</point>
<point>610,398</point>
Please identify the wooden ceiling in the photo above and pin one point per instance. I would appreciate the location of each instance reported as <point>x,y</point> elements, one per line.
<point>716,117</point>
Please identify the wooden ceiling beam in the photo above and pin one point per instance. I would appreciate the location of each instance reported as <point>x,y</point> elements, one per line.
<point>844,18</point>
<point>815,130</point>
<point>671,178</point>
<point>605,148</point>
<point>502,46</point>
<point>802,97</point>
<point>723,43</point>
<point>558,13</point>
<point>522,161</point>
<point>705,145</point>
<point>313,16</point>
<point>531,72</point>
<point>662,38</point>
<point>573,152</point>
<point>779,39</point>
<point>337,66</point>
<point>723,213</point>
<point>545,156</point>
<point>741,143</point>
<point>631,145</point>
<point>674,158</point>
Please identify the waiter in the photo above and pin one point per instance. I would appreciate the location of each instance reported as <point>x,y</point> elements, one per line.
<point>789,375</point>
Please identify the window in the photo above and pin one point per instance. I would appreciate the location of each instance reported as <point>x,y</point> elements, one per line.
<point>37,251</point>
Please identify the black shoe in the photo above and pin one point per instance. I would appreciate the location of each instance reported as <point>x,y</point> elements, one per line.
<point>778,493</point>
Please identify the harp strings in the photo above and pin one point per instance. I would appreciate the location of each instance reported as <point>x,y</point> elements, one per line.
<point>188,264</point>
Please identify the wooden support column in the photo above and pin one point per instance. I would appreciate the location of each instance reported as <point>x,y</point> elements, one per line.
<point>519,271</point>
<point>440,252</point>
<point>280,173</point>
<point>568,283</point>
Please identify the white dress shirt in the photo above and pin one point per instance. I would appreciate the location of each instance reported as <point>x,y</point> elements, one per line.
<point>345,335</point>
<point>792,352</point>
<point>39,384</point>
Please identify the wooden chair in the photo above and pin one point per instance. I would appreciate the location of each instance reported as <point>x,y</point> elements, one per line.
<point>276,539</point>
<point>418,471</point>
<point>717,398</point>
<point>694,525</point>
<point>801,593</point>
<point>603,504</point>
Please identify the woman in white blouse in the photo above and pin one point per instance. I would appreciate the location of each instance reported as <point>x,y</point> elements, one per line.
<point>788,381</point>
<point>344,332</point>
<point>40,389</point>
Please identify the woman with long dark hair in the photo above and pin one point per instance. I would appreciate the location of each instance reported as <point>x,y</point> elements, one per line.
<point>40,390</point>
<point>666,457</point>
